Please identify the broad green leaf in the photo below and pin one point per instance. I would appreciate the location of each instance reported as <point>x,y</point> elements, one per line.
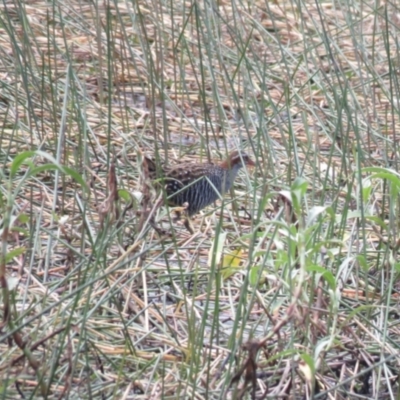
<point>18,160</point>
<point>65,170</point>
<point>125,195</point>
<point>300,186</point>
<point>363,262</point>
<point>23,157</point>
<point>298,191</point>
<point>388,174</point>
<point>231,263</point>
<point>217,248</point>
<point>314,213</point>
<point>327,275</point>
<point>366,190</point>
<point>14,253</point>
<point>255,278</point>
<point>23,218</point>
<point>308,368</point>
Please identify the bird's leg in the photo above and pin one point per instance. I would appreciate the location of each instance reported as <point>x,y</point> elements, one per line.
<point>148,217</point>
<point>177,216</point>
<point>188,224</point>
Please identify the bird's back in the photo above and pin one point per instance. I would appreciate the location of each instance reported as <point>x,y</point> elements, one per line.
<point>198,185</point>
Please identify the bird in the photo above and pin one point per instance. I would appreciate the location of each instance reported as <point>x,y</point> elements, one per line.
<point>194,186</point>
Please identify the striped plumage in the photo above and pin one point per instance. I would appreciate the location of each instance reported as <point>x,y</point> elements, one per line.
<point>199,185</point>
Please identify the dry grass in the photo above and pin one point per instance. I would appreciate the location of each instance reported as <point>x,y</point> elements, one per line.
<point>290,290</point>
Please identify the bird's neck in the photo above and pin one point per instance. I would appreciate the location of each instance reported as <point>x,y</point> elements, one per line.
<point>229,177</point>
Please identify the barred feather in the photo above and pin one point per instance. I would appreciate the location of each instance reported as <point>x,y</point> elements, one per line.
<point>190,182</point>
